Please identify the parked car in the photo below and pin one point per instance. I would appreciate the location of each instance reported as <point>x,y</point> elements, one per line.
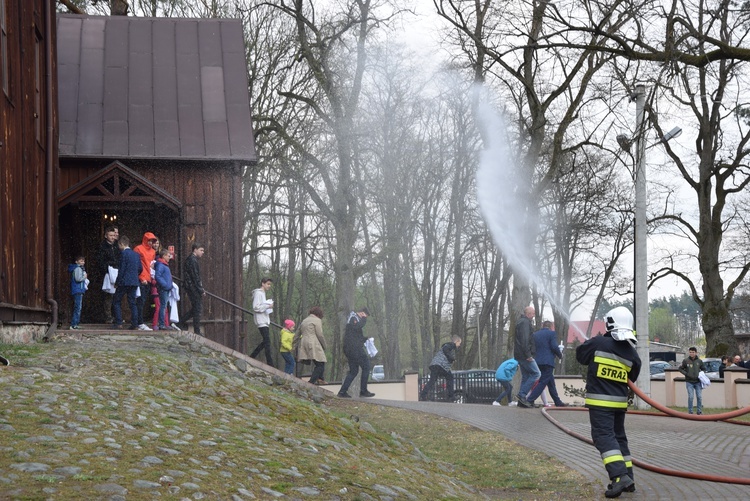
<point>712,367</point>
<point>378,373</point>
<point>657,369</point>
<point>475,386</point>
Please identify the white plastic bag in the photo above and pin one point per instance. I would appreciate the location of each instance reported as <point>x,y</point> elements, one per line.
<point>109,280</point>
<point>370,347</point>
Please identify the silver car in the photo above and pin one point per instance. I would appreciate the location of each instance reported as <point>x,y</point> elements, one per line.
<point>656,369</point>
<point>712,367</point>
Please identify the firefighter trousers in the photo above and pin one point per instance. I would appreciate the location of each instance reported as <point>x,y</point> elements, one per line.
<point>608,434</point>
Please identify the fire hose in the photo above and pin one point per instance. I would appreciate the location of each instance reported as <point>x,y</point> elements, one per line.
<point>726,417</point>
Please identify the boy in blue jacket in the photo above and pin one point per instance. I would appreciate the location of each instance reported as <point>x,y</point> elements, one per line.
<point>504,375</point>
<point>77,288</point>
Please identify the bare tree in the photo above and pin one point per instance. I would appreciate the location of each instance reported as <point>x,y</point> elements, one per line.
<point>499,44</point>
<point>331,50</point>
<point>700,54</point>
<point>712,94</point>
<point>586,227</point>
<point>678,33</point>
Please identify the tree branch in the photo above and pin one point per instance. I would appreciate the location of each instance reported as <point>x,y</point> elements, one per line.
<point>72,7</point>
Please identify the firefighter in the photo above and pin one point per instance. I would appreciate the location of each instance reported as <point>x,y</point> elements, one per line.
<point>611,360</point>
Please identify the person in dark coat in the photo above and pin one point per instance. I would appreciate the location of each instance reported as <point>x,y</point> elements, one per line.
<point>723,365</point>
<point>523,351</point>
<point>127,282</point>
<point>441,367</point>
<point>691,367</point>
<point>356,355</point>
<point>108,254</point>
<point>194,287</point>
<point>545,341</point>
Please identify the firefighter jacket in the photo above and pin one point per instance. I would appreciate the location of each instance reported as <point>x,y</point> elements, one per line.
<point>611,363</point>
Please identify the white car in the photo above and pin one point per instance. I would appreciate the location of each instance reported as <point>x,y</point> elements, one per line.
<point>378,374</point>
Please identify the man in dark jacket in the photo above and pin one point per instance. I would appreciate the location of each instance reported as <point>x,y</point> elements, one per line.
<point>356,356</point>
<point>691,367</point>
<point>107,255</point>
<point>194,287</point>
<point>612,361</point>
<point>723,365</point>
<point>545,341</point>
<point>441,367</point>
<point>523,351</point>
<point>127,282</point>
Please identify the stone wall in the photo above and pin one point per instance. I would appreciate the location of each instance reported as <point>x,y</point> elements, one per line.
<point>23,333</point>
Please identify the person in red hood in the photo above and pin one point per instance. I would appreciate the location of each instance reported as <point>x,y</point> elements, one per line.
<point>147,253</point>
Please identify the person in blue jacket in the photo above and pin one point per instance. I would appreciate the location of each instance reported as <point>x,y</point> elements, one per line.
<point>547,349</point>
<point>504,375</point>
<point>127,282</point>
<point>164,284</point>
<point>77,288</point>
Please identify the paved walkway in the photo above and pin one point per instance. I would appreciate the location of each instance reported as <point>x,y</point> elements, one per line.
<point>692,446</point>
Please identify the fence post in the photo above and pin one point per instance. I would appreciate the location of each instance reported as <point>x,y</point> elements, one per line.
<point>411,386</point>
<point>731,375</point>
<point>670,394</point>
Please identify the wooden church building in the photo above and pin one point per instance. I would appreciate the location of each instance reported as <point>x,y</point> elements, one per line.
<point>154,127</point>
<point>28,169</point>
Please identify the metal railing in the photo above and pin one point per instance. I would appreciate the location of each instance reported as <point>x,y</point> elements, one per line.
<point>238,346</point>
<point>469,386</point>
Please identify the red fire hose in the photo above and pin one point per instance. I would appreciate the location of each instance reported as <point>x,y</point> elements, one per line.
<point>726,416</point>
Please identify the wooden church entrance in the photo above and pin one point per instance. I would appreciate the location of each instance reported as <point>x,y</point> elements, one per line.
<point>115,196</point>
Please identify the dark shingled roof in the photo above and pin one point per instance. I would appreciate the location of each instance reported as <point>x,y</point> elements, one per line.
<point>134,87</point>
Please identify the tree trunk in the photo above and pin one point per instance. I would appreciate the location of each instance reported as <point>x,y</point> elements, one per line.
<point>119,7</point>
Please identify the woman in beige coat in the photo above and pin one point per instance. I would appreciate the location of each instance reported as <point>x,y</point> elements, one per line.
<point>311,344</point>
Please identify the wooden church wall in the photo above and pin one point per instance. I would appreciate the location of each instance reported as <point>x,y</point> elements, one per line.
<point>211,214</point>
<point>24,126</point>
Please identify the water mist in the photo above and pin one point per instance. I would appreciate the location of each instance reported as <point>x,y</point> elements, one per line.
<point>502,192</point>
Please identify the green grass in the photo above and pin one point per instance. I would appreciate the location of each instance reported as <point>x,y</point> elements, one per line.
<point>19,354</point>
<point>45,478</point>
<point>486,460</point>
<point>707,411</point>
<point>249,422</point>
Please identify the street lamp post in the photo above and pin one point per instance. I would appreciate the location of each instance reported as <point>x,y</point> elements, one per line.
<point>479,336</point>
<point>641,248</point>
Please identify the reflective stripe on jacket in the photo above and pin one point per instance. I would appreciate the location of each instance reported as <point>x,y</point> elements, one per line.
<point>610,365</point>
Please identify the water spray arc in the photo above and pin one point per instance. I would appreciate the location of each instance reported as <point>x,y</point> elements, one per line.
<point>502,192</point>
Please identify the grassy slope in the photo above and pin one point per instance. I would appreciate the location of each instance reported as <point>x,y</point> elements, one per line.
<point>103,407</point>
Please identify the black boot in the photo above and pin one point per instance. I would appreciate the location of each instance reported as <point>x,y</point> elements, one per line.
<point>618,486</point>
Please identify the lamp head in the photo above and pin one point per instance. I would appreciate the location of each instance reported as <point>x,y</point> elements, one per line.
<point>671,134</point>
